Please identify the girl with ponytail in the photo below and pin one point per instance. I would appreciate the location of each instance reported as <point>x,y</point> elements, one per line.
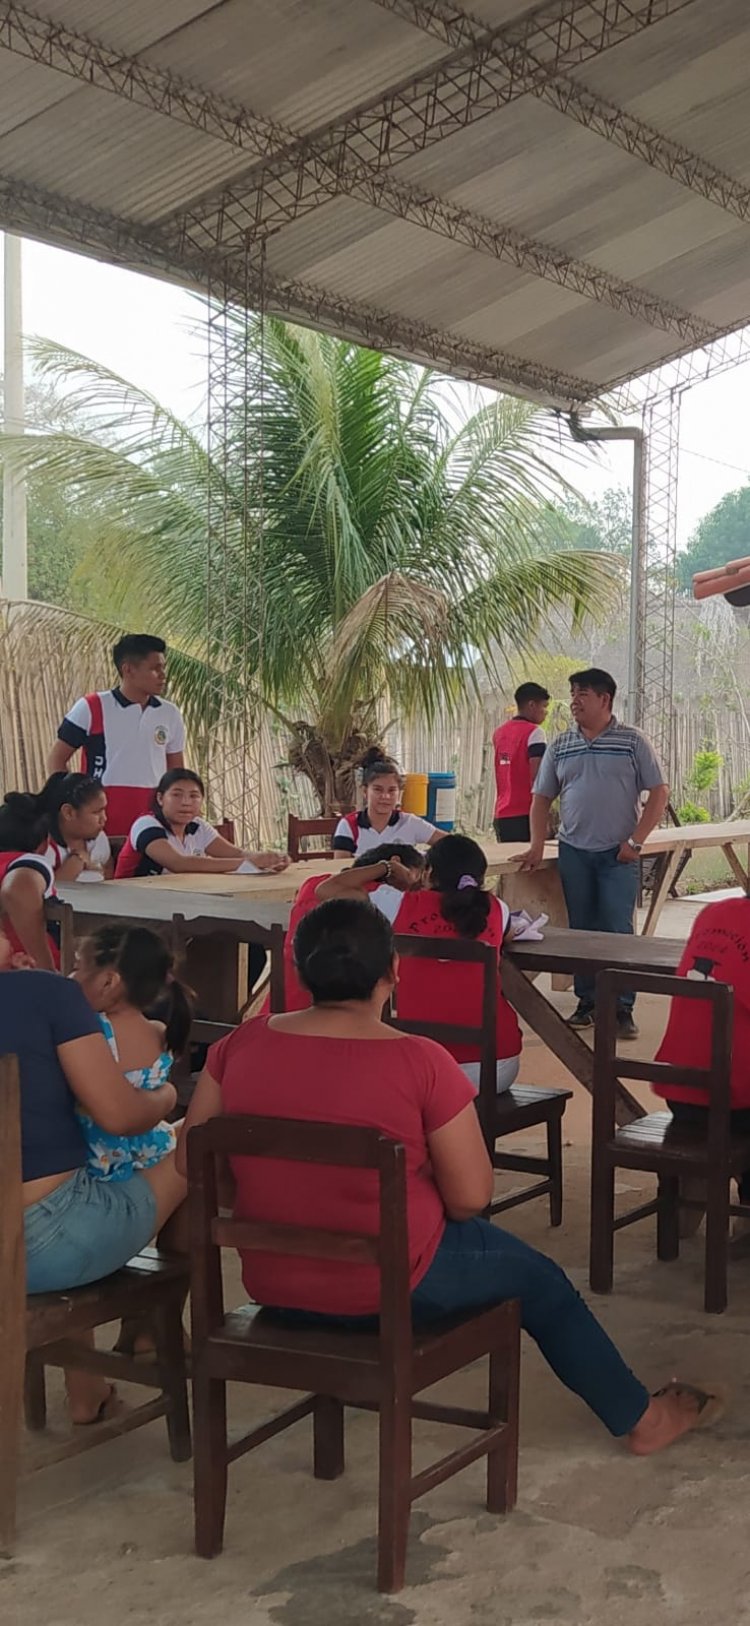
<point>125,972</point>
<point>451,903</point>
<point>26,879</point>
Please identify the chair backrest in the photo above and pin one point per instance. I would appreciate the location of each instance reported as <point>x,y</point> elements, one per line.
<point>61,915</point>
<point>12,1260</point>
<point>466,951</point>
<point>609,1068</point>
<point>271,938</point>
<point>296,1141</point>
<point>298,829</point>
<point>225,828</point>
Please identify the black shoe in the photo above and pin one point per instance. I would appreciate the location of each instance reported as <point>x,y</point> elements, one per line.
<point>626,1028</point>
<point>581,1018</point>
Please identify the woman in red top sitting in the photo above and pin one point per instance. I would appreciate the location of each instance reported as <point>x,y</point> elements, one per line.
<point>338,1063</point>
<point>450,902</point>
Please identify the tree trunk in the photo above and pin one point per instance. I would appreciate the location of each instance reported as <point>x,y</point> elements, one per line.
<point>332,772</point>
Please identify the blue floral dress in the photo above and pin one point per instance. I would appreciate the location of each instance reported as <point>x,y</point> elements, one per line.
<point>118,1157</point>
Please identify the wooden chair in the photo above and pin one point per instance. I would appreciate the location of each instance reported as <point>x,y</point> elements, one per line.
<point>242,932</point>
<point>520,1107</point>
<point>380,1370</point>
<point>225,828</point>
<point>656,1144</point>
<point>298,829</point>
<point>40,1331</point>
<point>60,915</point>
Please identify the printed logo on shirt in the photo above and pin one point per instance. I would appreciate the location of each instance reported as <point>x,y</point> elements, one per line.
<point>160,735</point>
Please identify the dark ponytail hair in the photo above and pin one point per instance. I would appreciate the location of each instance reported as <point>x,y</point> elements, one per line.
<point>144,964</point>
<point>375,764</point>
<point>24,822</point>
<point>450,861</point>
<point>173,776</point>
<point>67,789</point>
<point>342,950</point>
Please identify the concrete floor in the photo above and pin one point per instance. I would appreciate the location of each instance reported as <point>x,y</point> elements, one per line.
<point>597,1533</point>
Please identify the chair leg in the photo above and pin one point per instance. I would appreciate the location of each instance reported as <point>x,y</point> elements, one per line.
<point>170,1353</point>
<point>35,1394</point>
<point>602,1245</point>
<point>668,1218</point>
<point>502,1463</point>
<point>717,1237</point>
<point>394,1501</point>
<point>12,1361</point>
<point>328,1437</point>
<point>555,1159</point>
<point>209,1461</point>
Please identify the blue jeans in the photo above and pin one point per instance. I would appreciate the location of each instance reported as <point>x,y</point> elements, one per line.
<point>600,896</point>
<point>478,1265</point>
<point>85,1229</point>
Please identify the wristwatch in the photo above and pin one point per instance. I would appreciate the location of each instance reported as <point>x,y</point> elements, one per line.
<point>637,846</point>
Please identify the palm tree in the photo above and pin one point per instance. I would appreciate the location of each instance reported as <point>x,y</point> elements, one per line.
<point>350,550</point>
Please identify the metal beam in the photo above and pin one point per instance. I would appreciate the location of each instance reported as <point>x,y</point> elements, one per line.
<point>33,212</point>
<point>594,112</point>
<point>322,172</point>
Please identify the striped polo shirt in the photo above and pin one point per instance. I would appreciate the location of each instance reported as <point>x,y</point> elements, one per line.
<point>600,783</point>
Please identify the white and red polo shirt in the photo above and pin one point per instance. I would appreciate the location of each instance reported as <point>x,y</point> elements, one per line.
<point>134,861</point>
<point>125,746</point>
<point>355,834</point>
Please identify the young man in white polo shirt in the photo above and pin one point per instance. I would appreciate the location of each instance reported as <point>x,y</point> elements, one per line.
<point>129,737</point>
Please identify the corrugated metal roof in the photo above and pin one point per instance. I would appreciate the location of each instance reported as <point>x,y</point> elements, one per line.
<point>503,191</point>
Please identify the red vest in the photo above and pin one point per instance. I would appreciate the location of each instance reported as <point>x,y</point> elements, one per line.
<point>512,776</point>
<point>718,949</point>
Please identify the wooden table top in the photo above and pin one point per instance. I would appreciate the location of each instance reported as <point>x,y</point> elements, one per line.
<point>566,950</point>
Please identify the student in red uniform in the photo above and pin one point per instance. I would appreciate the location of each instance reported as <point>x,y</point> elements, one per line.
<point>77,809</point>
<point>26,880</point>
<point>129,735</point>
<point>174,837</point>
<point>452,903</point>
<point>717,950</point>
<point>340,1064</point>
<point>374,870</point>
<point>381,818</point>
<point>519,747</point>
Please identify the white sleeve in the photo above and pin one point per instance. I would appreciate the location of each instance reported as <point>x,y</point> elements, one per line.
<point>536,738</point>
<point>41,864</point>
<point>418,830</point>
<point>80,715</point>
<point>100,851</point>
<point>176,740</point>
<point>145,830</point>
<point>204,835</point>
<point>388,900</point>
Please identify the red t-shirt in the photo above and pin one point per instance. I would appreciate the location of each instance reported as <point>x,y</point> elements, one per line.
<point>515,742</point>
<point>718,949</point>
<point>405,1087</point>
<point>446,991</point>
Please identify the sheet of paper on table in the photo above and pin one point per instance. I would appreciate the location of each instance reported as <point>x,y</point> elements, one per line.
<point>526,930</point>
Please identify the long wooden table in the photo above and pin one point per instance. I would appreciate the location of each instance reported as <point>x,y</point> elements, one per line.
<point>580,953</point>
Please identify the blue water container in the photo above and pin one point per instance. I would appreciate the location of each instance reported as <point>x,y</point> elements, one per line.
<point>441,800</point>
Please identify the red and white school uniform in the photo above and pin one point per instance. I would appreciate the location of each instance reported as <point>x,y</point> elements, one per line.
<point>41,865</point>
<point>99,852</point>
<point>354,833</point>
<point>125,746</point>
<point>133,859</point>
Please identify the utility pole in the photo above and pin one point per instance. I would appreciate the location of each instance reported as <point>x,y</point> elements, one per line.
<point>15,573</point>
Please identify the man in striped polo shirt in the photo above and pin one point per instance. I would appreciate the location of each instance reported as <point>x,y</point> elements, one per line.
<point>600,769</point>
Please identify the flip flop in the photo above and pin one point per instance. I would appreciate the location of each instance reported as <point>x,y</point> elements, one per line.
<point>712,1403</point>
<point>109,1407</point>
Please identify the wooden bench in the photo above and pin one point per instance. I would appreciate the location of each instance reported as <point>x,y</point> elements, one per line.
<point>40,1330</point>
<point>656,1144</point>
<point>380,1370</point>
<point>520,1107</point>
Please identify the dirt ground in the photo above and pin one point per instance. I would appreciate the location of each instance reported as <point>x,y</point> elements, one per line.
<point>597,1534</point>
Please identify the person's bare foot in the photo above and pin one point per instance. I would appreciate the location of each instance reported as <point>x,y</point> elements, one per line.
<point>672,1412</point>
<point>94,1407</point>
